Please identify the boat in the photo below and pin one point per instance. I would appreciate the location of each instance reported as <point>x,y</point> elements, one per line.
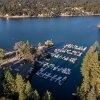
<point>61,82</point>
<point>45,75</point>
<point>84,48</point>
<point>58,79</point>
<point>74,94</point>
<point>54,77</point>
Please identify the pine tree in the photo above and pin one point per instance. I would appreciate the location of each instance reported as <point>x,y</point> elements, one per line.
<point>28,88</point>
<point>36,95</point>
<point>90,70</point>
<point>91,95</point>
<point>9,83</point>
<point>20,84</point>
<point>47,96</point>
<point>21,95</point>
<point>23,50</point>
<point>2,53</point>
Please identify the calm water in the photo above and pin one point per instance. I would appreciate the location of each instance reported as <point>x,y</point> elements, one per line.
<point>77,30</point>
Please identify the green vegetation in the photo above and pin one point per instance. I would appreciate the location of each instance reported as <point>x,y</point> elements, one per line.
<point>47,96</point>
<point>36,95</point>
<point>9,83</point>
<point>2,53</point>
<point>98,25</point>
<point>49,43</point>
<point>15,88</point>
<point>47,7</point>
<point>23,50</point>
<point>90,87</point>
<point>26,51</point>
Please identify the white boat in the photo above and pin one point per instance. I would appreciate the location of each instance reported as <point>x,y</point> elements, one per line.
<point>84,48</point>
<point>74,94</point>
<point>62,81</point>
<point>52,78</point>
<point>58,79</point>
<point>45,75</point>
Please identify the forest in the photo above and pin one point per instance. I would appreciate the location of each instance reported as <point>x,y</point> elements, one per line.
<point>90,70</point>
<point>48,7</point>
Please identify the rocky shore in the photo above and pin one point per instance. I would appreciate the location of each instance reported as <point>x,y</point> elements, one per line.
<point>46,16</point>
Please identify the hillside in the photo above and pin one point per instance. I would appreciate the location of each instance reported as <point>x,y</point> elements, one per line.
<point>49,7</point>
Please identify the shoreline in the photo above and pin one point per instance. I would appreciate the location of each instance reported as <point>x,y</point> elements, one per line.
<point>21,17</point>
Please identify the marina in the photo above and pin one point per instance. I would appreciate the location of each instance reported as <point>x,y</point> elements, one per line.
<point>57,79</point>
<point>80,31</point>
<point>61,73</point>
<point>58,56</point>
<point>69,49</point>
<point>60,80</point>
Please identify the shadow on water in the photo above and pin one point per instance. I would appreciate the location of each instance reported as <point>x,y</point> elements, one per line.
<point>37,67</point>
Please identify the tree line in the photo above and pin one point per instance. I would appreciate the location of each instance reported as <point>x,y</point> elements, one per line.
<point>90,70</point>
<point>48,7</point>
<point>15,88</point>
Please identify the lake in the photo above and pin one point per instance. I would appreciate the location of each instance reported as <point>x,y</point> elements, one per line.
<point>81,31</point>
